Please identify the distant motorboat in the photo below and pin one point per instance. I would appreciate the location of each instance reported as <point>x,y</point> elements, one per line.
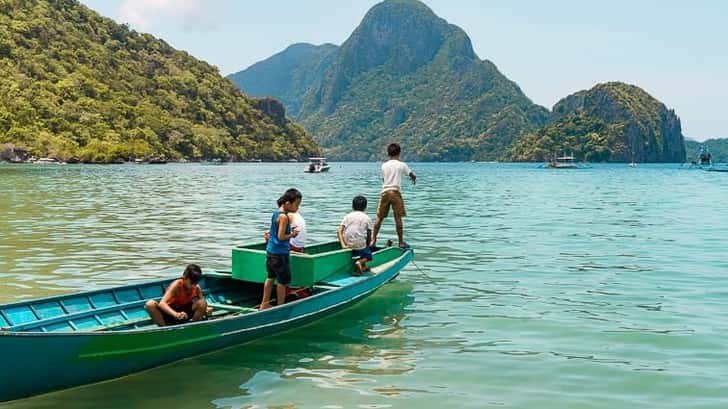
<point>704,160</point>
<point>216,161</point>
<point>317,165</point>
<point>43,161</point>
<point>563,162</point>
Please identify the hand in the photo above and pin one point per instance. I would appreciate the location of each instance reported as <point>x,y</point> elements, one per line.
<point>267,235</point>
<point>344,246</point>
<point>294,232</point>
<point>181,316</point>
<point>413,177</point>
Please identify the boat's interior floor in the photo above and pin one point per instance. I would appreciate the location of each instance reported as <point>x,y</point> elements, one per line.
<point>122,308</point>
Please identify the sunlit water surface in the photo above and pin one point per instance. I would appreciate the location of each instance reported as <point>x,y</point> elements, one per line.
<point>531,288</point>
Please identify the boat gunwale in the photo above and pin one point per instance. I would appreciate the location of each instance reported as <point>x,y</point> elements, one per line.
<point>390,264</point>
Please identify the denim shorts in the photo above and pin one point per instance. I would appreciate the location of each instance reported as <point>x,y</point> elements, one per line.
<point>365,253</point>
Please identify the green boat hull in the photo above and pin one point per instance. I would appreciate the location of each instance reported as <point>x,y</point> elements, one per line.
<point>40,359</point>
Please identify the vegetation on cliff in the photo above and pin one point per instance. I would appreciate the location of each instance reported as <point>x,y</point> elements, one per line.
<point>287,75</point>
<point>73,83</point>
<point>406,75</point>
<point>612,122</point>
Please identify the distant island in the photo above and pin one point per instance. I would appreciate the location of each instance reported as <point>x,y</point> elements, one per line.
<point>612,122</point>
<point>80,87</point>
<point>407,75</point>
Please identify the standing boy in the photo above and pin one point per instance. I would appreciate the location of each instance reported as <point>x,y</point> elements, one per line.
<point>392,171</point>
<point>278,248</point>
<point>355,231</point>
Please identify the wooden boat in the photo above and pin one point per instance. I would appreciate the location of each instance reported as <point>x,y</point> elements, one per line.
<point>70,340</point>
<point>317,165</point>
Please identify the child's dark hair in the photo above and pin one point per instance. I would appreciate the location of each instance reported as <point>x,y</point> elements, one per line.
<point>290,196</point>
<point>393,149</point>
<point>359,203</point>
<point>193,272</point>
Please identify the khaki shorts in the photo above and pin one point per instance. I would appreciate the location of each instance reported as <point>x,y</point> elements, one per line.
<point>393,199</point>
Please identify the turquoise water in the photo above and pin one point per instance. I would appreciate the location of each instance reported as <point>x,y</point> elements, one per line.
<point>532,288</point>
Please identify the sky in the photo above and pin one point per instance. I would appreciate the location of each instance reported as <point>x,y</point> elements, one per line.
<point>676,50</point>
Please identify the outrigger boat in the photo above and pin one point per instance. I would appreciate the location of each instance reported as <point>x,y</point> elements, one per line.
<point>64,341</point>
<point>317,165</point>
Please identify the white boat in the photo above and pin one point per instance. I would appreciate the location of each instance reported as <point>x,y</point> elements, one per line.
<point>563,162</point>
<point>317,165</point>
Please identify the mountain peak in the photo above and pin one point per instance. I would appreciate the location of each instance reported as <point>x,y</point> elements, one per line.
<point>400,36</point>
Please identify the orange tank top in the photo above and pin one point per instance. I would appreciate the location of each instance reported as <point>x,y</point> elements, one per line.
<point>183,298</point>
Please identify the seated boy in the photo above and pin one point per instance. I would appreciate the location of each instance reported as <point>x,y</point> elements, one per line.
<point>183,301</point>
<point>355,231</point>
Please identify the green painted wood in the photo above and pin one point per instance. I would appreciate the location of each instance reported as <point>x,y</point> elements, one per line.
<point>315,264</point>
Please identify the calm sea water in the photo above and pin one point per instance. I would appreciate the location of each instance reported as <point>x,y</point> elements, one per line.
<point>531,288</point>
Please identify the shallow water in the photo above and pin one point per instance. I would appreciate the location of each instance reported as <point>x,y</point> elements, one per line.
<point>531,288</point>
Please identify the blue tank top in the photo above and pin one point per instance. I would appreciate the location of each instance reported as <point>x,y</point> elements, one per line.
<point>276,246</point>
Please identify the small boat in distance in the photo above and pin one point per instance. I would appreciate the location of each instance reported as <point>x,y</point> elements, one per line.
<point>563,162</point>
<point>317,165</point>
<point>705,162</point>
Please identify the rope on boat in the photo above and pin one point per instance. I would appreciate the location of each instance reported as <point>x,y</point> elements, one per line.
<point>422,272</point>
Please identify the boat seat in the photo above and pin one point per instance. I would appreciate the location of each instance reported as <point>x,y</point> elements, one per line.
<point>343,279</point>
<point>80,314</point>
<point>227,307</point>
<point>326,287</point>
<point>120,324</point>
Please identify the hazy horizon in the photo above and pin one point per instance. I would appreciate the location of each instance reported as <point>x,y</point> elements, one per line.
<point>668,48</point>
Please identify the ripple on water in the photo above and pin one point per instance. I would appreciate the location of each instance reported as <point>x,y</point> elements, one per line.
<point>600,288</point>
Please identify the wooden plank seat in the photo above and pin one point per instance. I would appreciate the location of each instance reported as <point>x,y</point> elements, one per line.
<point>69,318</point>
<point>218,310</point>
<point>229,307</point>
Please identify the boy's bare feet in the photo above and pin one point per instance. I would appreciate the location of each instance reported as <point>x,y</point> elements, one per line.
<point>263,307</point>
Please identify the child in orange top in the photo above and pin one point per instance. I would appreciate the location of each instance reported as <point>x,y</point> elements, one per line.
<point>183,301</point>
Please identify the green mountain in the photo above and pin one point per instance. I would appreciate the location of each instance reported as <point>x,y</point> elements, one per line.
<point>288,74</point>
<point>407,75</point>
<point>612,122</point>
<point>73,83</point>
<point>717,147</point>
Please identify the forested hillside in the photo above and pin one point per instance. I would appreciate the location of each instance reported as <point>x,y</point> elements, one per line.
<point>612,122</point>
<point>73,83</point>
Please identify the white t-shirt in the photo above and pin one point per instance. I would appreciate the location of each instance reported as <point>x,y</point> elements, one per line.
<point>298,223</point>
<point>356,225</point>
<point>392,171</point>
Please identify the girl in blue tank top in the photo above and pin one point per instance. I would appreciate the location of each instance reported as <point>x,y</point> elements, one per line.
<point>279,248</point>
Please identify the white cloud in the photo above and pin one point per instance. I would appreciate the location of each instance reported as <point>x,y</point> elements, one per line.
<point>146,14</point>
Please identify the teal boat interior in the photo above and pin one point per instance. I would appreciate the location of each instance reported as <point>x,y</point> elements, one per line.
<point>122,308</point>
